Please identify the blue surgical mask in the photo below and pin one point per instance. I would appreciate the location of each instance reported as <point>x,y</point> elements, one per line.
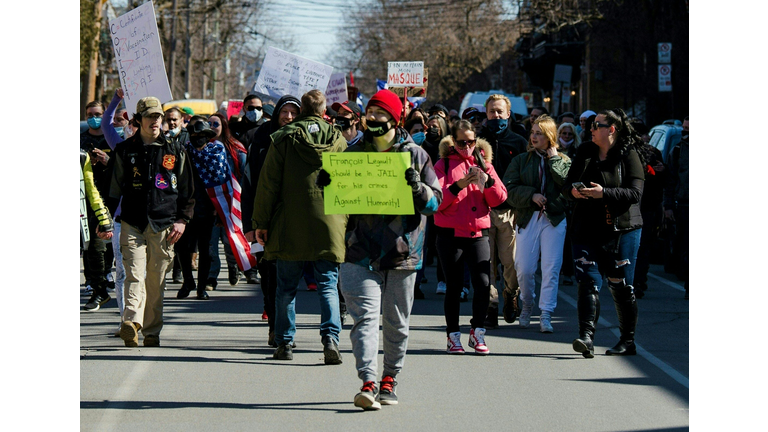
<point>174,132</point>
<point>94,122</point>
<point>496,125</point>
<point>119,131</point>
<point>418,137</point>
<point>253,116</point>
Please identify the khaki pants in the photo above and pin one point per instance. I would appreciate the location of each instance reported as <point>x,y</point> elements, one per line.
<point>502,237</point>
<point>146,255</point>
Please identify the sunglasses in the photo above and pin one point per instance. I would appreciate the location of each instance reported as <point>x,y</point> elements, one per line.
<point>464,143</point>
<point>215,124</point>
<point>596,125</point>
<point>253,108</point>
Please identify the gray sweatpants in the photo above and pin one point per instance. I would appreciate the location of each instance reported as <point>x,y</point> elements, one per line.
<point>366,292</point>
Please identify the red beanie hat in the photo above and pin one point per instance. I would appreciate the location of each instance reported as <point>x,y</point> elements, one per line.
<point>389,102</point>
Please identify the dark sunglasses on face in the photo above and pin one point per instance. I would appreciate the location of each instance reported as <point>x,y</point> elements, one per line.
<point>464,143</point>
<point>253,108</point>
<point>596,125</point>
<point>215,124</point>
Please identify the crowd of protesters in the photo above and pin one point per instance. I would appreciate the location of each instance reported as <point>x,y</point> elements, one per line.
<point>496,197</point>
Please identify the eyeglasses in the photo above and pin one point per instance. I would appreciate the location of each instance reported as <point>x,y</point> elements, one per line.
<point>215,124</point>
<point>253,108</point>
<point>464,143</point>
<point>596,125</point>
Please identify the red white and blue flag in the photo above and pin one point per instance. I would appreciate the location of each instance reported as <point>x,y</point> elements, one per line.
<point>224,191</point>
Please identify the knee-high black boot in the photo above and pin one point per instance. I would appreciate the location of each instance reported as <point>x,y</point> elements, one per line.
<point>626,309</point>
<point>588,305</point>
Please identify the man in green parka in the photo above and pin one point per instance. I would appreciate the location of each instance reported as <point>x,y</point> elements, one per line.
<point>291,224</point>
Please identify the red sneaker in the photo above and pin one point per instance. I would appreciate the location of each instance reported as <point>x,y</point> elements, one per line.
<point>264,316</point>
<point>454,344</point>
<point>477,341</point>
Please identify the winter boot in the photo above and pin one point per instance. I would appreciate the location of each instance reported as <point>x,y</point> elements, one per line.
<point>626,309</point>
<point>588,306</point>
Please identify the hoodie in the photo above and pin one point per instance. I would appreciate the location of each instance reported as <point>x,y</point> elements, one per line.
<point>289,204</point>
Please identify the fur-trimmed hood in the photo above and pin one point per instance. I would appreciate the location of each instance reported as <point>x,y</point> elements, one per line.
<point>446,145</point>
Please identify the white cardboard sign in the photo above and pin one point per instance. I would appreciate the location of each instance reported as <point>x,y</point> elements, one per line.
<point>139,57</point>
<point>284,73</point>
<point>337,89</point>
<point>405,74</point>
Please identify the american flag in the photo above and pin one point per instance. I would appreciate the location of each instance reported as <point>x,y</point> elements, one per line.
<point>224,191</point>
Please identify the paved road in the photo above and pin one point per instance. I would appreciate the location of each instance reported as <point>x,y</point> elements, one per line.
<point>214,371</point>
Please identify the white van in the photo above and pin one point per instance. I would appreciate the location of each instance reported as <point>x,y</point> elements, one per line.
<point>477,100</point>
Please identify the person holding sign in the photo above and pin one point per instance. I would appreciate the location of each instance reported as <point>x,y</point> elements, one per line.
<point>383,254</point>
<point>471,188</point>
<point>290,222</point>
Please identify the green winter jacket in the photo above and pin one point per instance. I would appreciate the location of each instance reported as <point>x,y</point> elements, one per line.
<point>289,204</point>
<point>522,181</point>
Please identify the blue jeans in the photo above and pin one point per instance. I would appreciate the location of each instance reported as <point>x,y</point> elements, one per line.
<point>219,233</point>
<point>289,273</point>
<point>593,261</point>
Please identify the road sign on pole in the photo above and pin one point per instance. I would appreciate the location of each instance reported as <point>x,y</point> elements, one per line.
<point>665,53</point>
<point>665,78</point>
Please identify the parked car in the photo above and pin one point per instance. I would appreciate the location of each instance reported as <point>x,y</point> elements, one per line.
<point>665,137</point>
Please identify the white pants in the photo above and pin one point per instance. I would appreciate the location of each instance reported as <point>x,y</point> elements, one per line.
<point>539,239</point>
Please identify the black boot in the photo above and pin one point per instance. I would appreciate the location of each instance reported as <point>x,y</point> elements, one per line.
<point>626,309</point>
<point>588,305</point>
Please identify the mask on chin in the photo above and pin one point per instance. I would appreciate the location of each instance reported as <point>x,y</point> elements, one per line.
<point>565,143</point>
<point>174,132</point>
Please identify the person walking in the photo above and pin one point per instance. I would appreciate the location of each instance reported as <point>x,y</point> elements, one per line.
<point>606,181</point>
<point>154,179</point>
<point>534,180</point>
<point>290,222</point>
<point>383,256</point>
<point>470,188</point>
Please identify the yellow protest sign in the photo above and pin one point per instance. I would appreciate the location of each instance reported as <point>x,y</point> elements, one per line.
<point>368,183</point>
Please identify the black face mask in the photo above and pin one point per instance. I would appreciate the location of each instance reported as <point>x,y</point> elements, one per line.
<point>378,129</point>
<point>343,123</point>
<point>198,141</point>
<point>433,133</point>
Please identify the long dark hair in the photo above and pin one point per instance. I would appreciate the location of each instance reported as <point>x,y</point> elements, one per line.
<point>626,137</point>
<point>230,143</point>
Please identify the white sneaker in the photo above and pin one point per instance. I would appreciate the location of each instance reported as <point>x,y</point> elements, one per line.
<point>525,316</point>
<point>477,341</point>
<point>440,288</point>
<point>545,322</point>
<point>454,344</point>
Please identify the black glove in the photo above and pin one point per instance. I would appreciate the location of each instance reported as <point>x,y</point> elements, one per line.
<point>490,182</point>
<point>412,177</point>
<point>323,178</point>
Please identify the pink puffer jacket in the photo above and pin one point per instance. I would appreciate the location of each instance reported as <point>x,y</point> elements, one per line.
<point>468,213</point>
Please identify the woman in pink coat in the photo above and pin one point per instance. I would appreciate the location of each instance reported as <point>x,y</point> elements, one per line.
<point>470,188</point>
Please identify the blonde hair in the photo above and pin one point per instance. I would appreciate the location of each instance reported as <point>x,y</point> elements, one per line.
<point>495,97</point>
<point>576,137</point>
<point>313,103</point>
<point>548,128</point>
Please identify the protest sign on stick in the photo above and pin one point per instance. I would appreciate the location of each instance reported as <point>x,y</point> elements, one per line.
<point>233,108</point>
<point>337,89</point>
<point>368,183</point>
<point>405,74</point>
<point>415,91</point>
<point>284,73</point>
<point>139,57</point>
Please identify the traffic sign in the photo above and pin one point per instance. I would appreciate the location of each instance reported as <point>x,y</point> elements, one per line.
<point>665,52</point>
<point>665,78</point>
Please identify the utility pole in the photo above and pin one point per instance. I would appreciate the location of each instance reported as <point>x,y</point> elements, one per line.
<point>205,37</point>
<point>188,73</point>
<point>93,64</point>
<point>172,61</point>
<point>216,46</point>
